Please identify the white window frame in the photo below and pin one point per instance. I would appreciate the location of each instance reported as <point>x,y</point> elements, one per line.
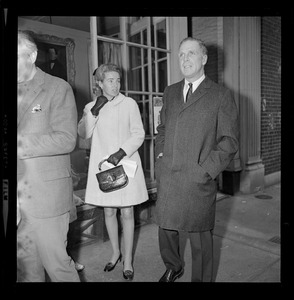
<point>150,93</point>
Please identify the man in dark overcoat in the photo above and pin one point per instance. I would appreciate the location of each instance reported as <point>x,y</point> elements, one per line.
<point>197,138</point>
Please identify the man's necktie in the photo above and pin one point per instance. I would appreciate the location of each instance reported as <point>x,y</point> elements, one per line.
<point>189,93</point>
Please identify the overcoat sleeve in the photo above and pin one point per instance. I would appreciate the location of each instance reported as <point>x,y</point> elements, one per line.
<point>227,137</point>
<point>62,133</point>
<point>87,123</point>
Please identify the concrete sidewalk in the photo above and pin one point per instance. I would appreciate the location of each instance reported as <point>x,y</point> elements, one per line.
<point>246,245</point>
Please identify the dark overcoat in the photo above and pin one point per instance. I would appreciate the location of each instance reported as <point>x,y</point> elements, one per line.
<point>198,140</point>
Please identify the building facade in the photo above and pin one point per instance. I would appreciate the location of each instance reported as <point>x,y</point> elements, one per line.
<point>244,55</point>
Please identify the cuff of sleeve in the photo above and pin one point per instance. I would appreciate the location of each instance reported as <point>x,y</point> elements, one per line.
<point>159,155</point>
<point>211,174</point>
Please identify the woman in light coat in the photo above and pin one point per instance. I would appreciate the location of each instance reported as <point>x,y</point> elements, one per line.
<point>114,123</point>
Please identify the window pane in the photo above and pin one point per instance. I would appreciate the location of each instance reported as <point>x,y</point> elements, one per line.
<point>143,104</point>
<point>153,71</point>
<point>136,97</point>
<point>145,37</point>
<point>135,80</point>
<point>144,152</point>
<point>135,38</point>
<point>162,74</point>
<point>158,33</point>
<point>140,104</point>
<point>146,87</point>
<point>111,53</point>
<point>136,30</point>
<point>145,116</point>
<point>152,35</point>
<point>161,34</point>
<point>134,74</point>
<point>134,57</point>
<point>147,120</point>
<point>145,57</point>
<point>161,54</point>
<point>109,26</point>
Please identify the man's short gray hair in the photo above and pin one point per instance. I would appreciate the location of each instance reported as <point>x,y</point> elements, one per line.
<point>199,41</point>
<point>25,39</point>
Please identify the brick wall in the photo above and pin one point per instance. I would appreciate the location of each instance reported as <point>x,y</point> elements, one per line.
<point>209,29</point>
<point>205,28</point>
<point>271,93</point>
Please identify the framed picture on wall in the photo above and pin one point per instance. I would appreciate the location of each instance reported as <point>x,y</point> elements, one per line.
<point>55,56</point>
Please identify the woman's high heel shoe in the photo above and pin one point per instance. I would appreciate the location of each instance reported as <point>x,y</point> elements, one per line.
<point>128,275</point>
<point>110,266</point>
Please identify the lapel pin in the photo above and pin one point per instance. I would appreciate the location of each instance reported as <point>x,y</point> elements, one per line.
<point>36,108</point>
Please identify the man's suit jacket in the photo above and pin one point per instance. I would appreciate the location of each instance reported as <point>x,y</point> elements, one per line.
<point>47,131</point>
<point>198,140</point>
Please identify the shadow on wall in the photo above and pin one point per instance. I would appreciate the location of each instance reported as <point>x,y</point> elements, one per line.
<point>215,60</point>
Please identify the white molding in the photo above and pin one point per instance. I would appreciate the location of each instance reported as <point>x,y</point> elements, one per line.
<point>41,27</point>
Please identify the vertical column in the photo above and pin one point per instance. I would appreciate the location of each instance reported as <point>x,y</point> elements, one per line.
<point>220,47</point>
<point>94,46</point>
<point>178,31</point>
<point>93,52</point>
<point>231,79</point>
<point>252,176</point>
<point>123,34</point>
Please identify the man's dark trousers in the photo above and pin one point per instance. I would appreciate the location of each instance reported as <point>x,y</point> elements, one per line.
<point>201,249</point>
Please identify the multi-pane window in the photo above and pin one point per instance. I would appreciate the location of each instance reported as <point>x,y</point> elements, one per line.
<point>140,46</point>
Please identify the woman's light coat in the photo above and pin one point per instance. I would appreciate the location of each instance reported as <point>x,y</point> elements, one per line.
<point>118,125</point>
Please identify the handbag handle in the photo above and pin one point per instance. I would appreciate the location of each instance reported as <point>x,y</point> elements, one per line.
<point>101,162</point>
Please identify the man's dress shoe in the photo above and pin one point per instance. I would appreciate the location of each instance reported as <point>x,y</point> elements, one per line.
<point>79,267</point>
<point>171,276</point>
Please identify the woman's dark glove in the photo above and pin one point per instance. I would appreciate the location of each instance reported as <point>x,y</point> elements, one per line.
<point>116,157</point>
<point>100,102</point>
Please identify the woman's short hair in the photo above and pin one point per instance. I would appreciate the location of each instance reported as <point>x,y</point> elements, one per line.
<point>99,73</point>
<point>25,39</point>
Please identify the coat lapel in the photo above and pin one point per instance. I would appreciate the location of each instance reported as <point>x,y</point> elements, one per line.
<point>119,98</point>
<point>35,88</point>
<point>179,97</point>
<point>198,93</point>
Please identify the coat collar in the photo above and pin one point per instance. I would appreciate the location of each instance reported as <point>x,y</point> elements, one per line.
<point>197,94</point>
<point>119,98</point>
<point>35,86</point>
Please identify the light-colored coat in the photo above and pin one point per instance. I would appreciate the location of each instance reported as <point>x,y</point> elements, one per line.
<point>118,125</point>
<point>47,131</point>
<point>198,139</point>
